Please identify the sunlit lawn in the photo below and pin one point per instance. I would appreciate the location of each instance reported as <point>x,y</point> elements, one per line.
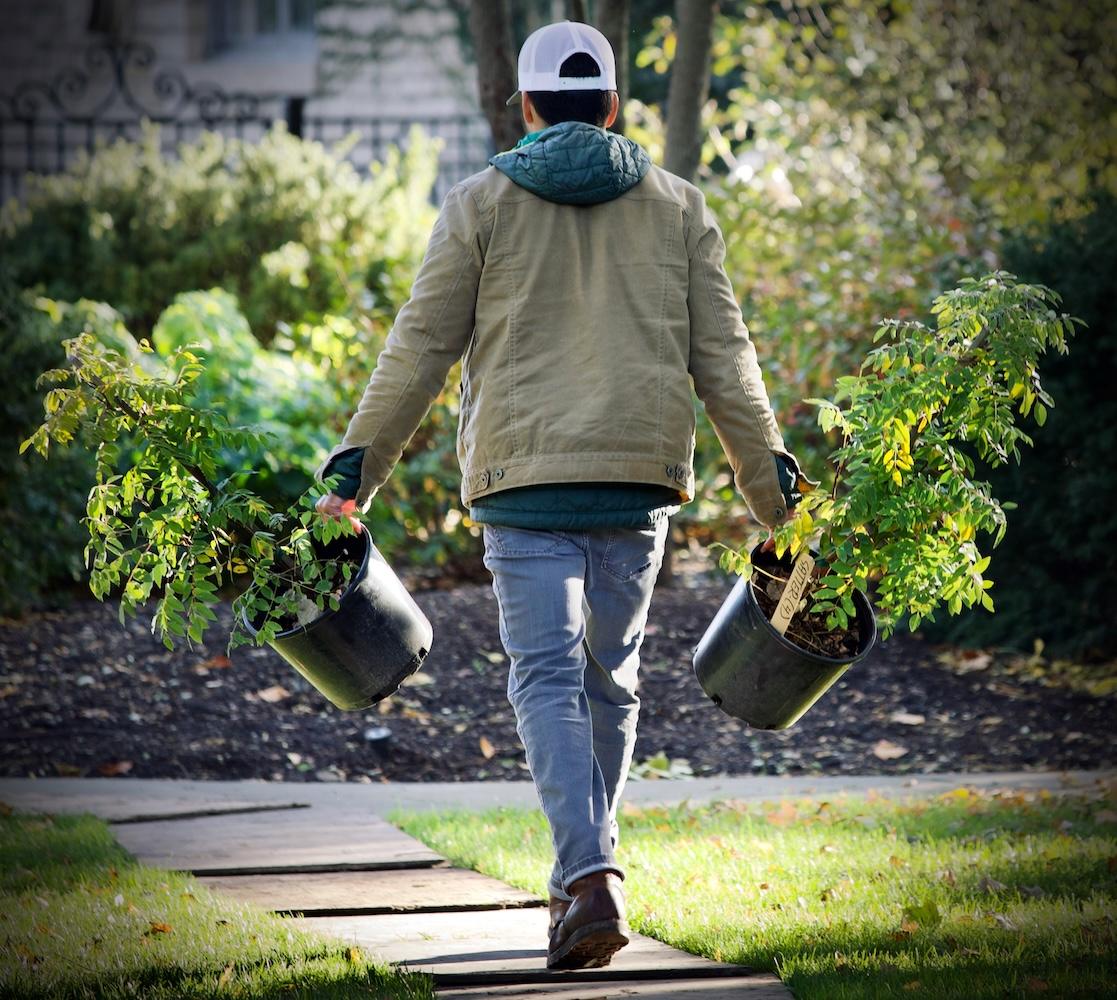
<point>79,918</point>
<point>964,896</point>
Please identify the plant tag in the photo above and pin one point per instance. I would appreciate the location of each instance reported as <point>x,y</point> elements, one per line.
<point>793,592</point>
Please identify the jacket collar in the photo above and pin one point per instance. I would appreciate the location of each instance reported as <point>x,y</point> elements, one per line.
<point>573,163</point>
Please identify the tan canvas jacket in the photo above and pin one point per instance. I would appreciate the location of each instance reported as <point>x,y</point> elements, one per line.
<point>581,329</point>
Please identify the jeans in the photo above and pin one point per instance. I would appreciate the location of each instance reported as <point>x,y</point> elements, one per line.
<point>573,605</point>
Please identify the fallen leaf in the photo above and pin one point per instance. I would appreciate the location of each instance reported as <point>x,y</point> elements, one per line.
<point>948,877</point>
<point>353,954</point>
<point>786,814</point>
<point>158,927</point>
<point>924,914</point>
<point>5,809</point>
<point>488,751</point>
<point>66,770</point>
<point>1034,985</point>
<point>991,885</point>
<point>966,661</point>
<point>219,662</point>
<point>273,694</point>
<point>907,718</point>
<point>225,977</point>
<point>912,985</point>
<point>1001,921</point>
<point>113,768</point>
<point>887,750</point>
<point>7,691</point>
<point>896,862</point>
<point>418,679</point>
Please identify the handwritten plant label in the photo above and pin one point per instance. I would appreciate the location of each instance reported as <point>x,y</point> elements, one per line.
<point>793,592</point>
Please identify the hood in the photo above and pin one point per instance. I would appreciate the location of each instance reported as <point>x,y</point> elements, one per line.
<point>573,163</point>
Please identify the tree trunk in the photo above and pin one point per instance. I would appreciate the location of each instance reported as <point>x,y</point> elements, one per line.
<point>496,69</point>
<point>613,22</point>
<point>690,84</point>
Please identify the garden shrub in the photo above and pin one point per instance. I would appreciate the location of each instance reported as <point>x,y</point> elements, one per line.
<point>283,263</point>
<point>285,397</point>
<point>41,534</point>
<point>860,158</point>
<point>287,225</point>
<point>1060,551</point>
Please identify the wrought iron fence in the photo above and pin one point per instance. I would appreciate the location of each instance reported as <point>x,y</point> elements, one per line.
<point>115,89</point>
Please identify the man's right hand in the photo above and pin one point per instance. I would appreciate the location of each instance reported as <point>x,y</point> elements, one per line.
<point>770,541</point>
<point>334,508</point>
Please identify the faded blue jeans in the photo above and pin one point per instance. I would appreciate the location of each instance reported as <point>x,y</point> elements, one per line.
<point>573,605</point>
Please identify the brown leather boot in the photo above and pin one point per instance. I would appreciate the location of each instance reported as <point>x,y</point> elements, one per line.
<point>593,928</point>
<point>558,908</point>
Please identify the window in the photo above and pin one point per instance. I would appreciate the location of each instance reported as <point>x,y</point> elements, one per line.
<point>232,24</point>
<point>284,15</point>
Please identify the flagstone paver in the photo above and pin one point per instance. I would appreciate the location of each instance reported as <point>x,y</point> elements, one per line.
<point>504,946</point>
<point>132,815</point>
<point>351,893</point>
<point>298,840</point>
<point>765,987</point>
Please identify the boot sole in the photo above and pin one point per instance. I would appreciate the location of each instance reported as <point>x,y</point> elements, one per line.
<point>590,947</point>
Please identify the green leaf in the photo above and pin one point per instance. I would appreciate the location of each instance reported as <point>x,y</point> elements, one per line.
<point>926,914</point>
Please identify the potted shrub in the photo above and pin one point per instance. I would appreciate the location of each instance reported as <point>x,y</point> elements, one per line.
<point>317,591</point>
<point>906,512</point>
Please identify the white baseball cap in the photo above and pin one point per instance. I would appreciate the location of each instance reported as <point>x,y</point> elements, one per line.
<point>547,48</point>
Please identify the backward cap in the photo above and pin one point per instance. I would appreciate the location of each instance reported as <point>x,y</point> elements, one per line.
<point>547,48</point>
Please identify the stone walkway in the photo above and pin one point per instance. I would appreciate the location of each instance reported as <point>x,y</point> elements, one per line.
<point>335,867</point>
<point>322,855</point>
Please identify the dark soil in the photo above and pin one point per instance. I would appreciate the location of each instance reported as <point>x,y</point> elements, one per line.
<point>806,630</point>
<point>82,695</point>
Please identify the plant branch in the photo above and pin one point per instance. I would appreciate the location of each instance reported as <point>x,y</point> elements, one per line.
<point>135,416</point>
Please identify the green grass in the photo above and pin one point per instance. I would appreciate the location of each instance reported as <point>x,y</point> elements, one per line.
<point>79,918</point>
<point>968,895</point>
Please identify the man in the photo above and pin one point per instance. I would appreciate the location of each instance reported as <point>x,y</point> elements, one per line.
<point>585,288</point>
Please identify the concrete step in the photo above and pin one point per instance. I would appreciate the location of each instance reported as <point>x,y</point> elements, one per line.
<point>353,893</point>
<point>298,840</point>
<point>507,948</point>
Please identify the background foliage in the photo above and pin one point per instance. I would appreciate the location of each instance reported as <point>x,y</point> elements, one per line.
<point>1060,551</point>
<point>279,262</point>
<point>861,157</point>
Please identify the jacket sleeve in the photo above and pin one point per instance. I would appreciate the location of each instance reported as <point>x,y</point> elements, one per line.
<point>727,377</point>
<point>430,333</point>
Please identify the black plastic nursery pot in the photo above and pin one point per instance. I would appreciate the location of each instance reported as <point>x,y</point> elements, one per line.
<point>376,639</point>
<point>752,672</point>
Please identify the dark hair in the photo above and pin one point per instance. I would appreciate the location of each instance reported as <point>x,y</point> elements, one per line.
<point>589,106</point>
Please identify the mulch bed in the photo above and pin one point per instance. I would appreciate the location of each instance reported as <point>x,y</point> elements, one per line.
<point>82,695</point>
